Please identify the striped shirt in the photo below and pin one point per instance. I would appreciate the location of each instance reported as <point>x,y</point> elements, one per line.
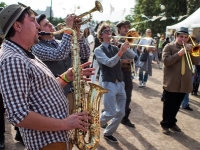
<point>28,85</point>
<point>46,53</point>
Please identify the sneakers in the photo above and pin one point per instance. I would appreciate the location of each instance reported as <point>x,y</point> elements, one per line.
<point>111,138</point>
<point>188,108</point>
<point>166,131</point>
<point>175,128</point>
<point>128,123</point>
<point>140,84</point>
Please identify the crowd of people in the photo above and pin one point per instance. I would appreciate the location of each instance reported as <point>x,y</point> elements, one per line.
<point>37,77</point>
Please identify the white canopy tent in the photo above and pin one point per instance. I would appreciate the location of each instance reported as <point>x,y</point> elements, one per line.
<point>190,22</point>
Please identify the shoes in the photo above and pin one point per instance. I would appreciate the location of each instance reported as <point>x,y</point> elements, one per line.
<point>111,138</point>
<point>104,126</point>
<point>175,128</point>
<point>2,143</point>
<point>188,108</point>
<point>144,84</point>
<point>166,131</point>
<point>128,123</point>
<point>140,84</point>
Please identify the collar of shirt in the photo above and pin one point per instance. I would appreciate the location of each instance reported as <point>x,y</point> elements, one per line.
<point>28,53</point>
<point>105,45</point>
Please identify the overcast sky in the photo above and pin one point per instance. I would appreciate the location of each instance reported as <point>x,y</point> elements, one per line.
<point>63,7</point>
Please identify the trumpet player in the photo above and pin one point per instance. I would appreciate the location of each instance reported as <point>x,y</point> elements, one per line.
<point>177,78</point>
<point>56,53</point>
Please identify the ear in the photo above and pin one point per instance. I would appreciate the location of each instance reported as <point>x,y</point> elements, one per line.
<point>17,26</point>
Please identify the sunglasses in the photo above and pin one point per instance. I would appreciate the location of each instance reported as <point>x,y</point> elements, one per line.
<point>106,31</point>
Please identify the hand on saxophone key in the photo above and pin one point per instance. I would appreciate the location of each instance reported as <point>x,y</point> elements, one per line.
<point>77,121</point>
<point>85,72</point>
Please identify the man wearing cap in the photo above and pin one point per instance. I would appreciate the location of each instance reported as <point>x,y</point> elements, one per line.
<point>177,79</point>
<point>123,27</point>
<point>54,53</point>
<point>48,49</point>
<point>33,98</point>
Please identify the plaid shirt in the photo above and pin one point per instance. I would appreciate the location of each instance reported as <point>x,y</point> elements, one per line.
<point>46,53</point>
<point>28,85</point>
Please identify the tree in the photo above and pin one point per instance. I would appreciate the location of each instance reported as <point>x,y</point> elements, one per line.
<point>3,4</point>
<point>150,8</point>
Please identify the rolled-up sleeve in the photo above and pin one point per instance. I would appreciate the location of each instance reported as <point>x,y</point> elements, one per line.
<point>15,88</point>
<point>46,53</point>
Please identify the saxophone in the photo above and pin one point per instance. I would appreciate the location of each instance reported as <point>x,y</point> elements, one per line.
<point>82,103</point>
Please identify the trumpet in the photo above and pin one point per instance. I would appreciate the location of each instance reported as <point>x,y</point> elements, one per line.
<point>98,7</point>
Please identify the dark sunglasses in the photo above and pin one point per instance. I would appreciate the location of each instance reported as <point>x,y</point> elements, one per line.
<point>106,31</point>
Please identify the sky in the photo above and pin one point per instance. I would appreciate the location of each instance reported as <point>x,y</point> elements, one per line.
<point>63,7</point>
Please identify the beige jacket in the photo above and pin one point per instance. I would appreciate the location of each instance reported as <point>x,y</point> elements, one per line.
<point>173,81</point>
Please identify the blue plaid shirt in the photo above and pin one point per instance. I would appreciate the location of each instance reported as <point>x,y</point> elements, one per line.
<point>28,85</point>
<point>64,48</point>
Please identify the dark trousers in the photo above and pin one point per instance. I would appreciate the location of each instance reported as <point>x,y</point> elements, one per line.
<point>2,121</point>
<point>171,105</point>
<point>127,75</point>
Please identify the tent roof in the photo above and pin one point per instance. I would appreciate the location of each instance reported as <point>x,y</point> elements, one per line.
<point>192,19</point>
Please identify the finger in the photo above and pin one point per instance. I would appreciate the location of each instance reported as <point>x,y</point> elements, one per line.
<point>85,64</point>
<point>82,113</point>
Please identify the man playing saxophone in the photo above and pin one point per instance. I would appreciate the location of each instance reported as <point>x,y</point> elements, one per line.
<point>32,96</point>
<point>108,57</point>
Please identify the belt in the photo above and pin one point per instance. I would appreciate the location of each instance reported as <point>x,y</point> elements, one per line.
<point>55,146</point>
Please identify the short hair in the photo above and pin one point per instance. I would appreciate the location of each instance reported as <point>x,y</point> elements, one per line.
<point>101,29</point>
<point>12,31</point>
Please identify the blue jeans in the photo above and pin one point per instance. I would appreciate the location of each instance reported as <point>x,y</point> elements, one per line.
<point>185,100</point>
<point>143,77</point>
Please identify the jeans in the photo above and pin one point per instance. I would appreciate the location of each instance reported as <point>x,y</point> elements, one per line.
<point>185,100</point>
<point>143,77</point>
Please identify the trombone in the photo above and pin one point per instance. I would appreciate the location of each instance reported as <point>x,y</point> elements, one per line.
<point>131,36</point>
<point>188,58</point>
<point>195,51</point>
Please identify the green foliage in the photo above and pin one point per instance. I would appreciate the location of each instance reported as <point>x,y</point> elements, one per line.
<point>150,8</point>
<point>3,4</point>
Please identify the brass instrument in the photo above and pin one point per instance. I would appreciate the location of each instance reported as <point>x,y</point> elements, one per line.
<point>188,58</point>
<point>131,36</point>
<point>195,49</point>
<point>98,7</point>
<point>91,104</point>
